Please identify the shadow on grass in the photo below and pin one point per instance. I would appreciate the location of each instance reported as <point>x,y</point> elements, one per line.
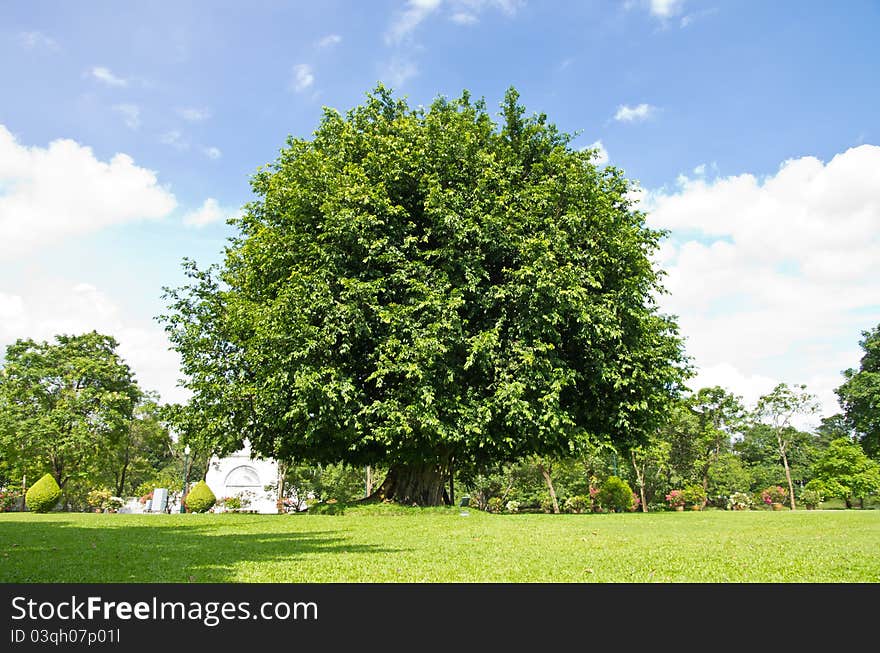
<point>63,551</point>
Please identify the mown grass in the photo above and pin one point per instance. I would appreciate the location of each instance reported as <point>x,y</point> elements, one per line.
<point>442,545</point>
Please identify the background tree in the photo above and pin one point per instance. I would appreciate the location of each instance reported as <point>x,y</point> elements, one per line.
<point>719,413</point>
<point>860,394</point>
<point>141,450</point>
<point>778,408</point>
<point>649,462</point>
<point>845,471</point>
<point>417,286</point>
<point>64,404</point>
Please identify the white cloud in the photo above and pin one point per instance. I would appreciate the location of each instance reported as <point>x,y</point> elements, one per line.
<point>48,194</point>
<point>464,18</point>
<point>399,70</point>
<point>601,157</point>
<point>329,41</point>
<point>775,277</point>
<point>104,75</point>
<point>637,113</point>
<point>407,20</point>
<point>303,77</point>
<point>37,41</point>
<point>666,8</point>
<point>175,139</point>
<point>131,114</point>
<point>213,153</point>
<point>208,213</point>
<point>48,307</point>
<point>192,114</point>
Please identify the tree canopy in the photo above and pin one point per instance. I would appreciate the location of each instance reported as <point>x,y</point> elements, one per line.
<point>860,394</point>
<point>63,404</point>
<point>423,287</point>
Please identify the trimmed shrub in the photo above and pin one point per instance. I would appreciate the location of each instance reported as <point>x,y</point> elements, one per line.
<point>615,494</point>
<point>200,498</point>
<point>43,495</point>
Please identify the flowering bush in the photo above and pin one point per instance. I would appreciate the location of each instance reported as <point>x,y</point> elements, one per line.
<point>636,502</point>
<point>774,494</point>
<point>675,499</point>
<point>577,503</point>
<point>693,495</point>
<point>512,506</point>
<point>231,503</point>
<point>99,498</point>
<point>103,499</point>
<point>594,497</point>
<point>8,500</point>
<point>739,501</point>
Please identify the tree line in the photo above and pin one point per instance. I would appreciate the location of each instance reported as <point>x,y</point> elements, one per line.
<point>73,409</point>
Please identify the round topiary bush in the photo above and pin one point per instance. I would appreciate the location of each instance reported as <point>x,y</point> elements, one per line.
<point>43,495</point>
<point>615,495</point>
<point>200,498</point>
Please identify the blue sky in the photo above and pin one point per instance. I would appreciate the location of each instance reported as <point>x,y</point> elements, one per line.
<point>752,128</point>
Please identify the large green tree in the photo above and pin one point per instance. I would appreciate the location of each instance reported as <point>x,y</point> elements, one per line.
<point>422,286</point>
<point>860,394</point>
<point>64,405</point>
<point>845,471</point>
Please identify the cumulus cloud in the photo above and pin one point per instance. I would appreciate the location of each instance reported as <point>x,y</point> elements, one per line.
<point>775,278</point>
<point>131,114</point>
<point>638,113</point>
<point>213,153</point>
<point>303,77</point>
<point>63,190</point>
<point>47,308</point>
<point>208,213</point>
<point>104,75</point>
<point>601,156</point>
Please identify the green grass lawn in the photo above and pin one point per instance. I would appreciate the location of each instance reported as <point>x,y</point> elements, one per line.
<point>441,545</point>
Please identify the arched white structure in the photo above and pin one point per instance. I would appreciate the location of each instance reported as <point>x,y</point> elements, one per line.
<point>240,473</point>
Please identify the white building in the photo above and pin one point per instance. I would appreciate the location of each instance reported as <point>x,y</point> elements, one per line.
<point>244,476</point>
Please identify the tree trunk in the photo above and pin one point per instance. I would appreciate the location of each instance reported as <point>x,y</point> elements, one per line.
<point>545,472</point>
<point>451,483</point>
<point>788,478</point>
<point>640,479</point>
<point>418,485</point>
